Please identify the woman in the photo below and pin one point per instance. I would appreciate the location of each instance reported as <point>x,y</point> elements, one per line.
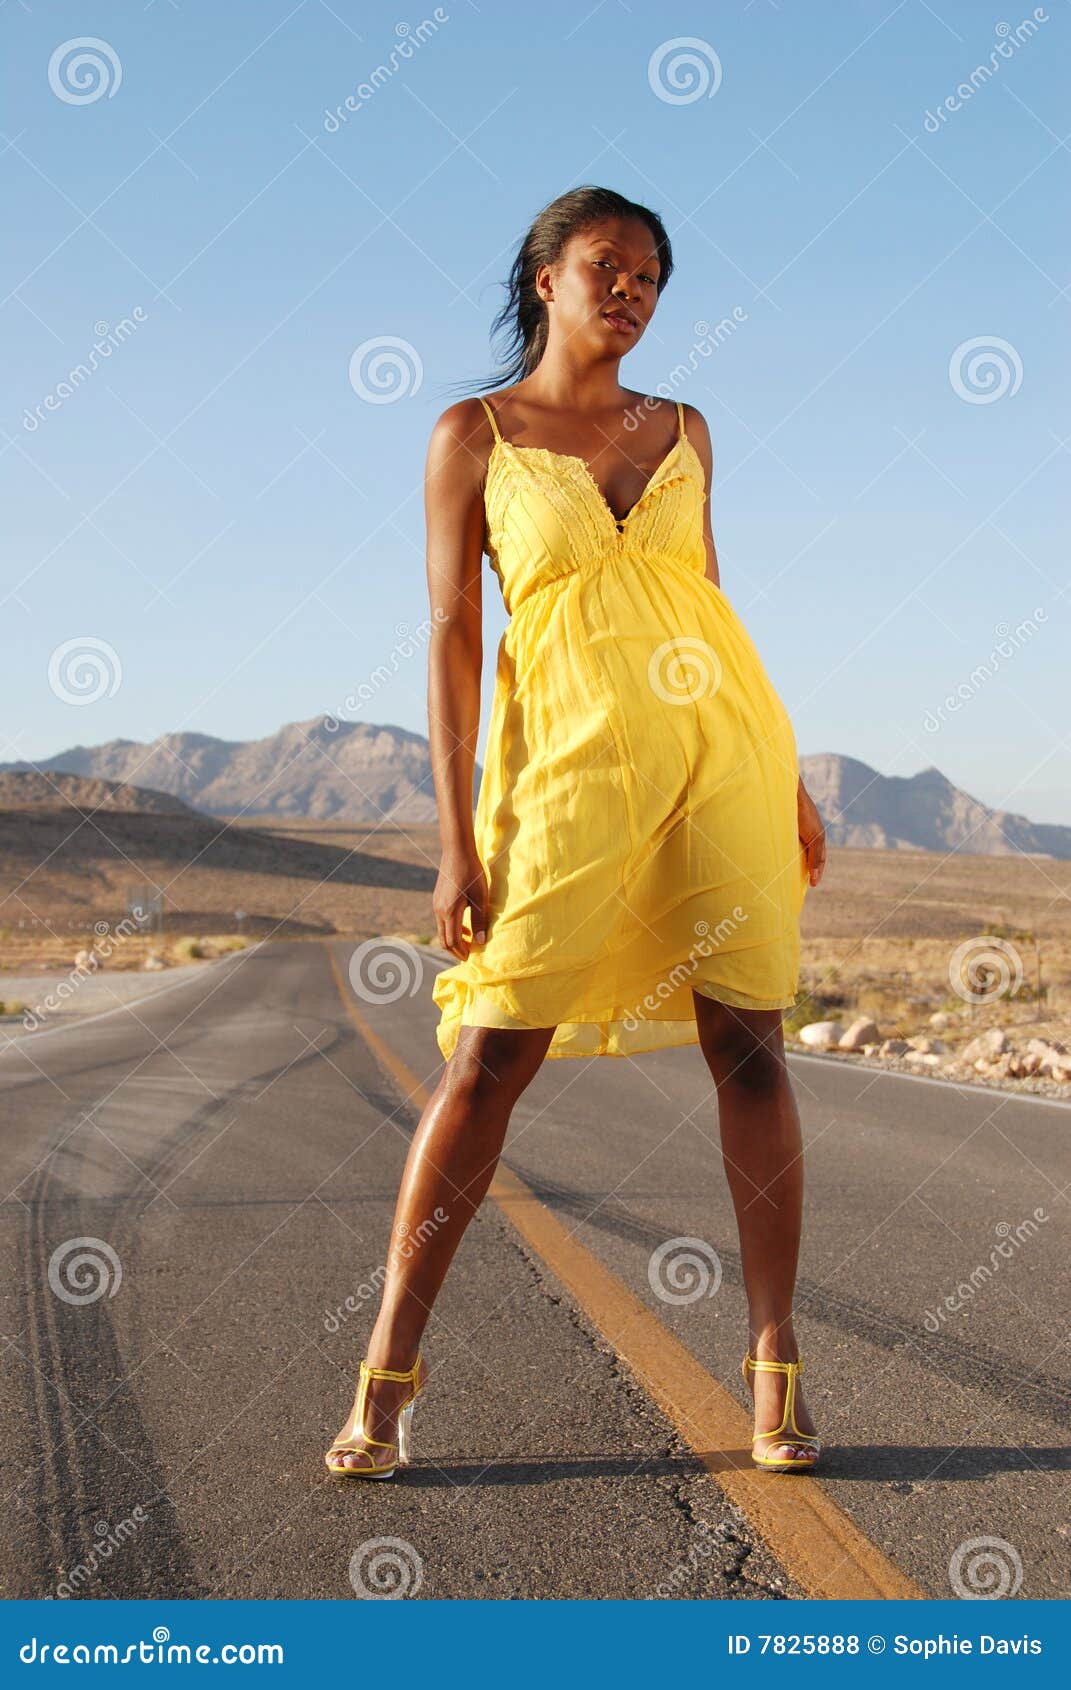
<point>642,842</point>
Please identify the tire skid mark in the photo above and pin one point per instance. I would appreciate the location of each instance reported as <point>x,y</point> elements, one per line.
<point>974,1366</point>
<point>87,1475</point>
<point>82,1475</point>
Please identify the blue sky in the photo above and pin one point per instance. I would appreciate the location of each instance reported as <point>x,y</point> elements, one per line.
<point>242,530</point>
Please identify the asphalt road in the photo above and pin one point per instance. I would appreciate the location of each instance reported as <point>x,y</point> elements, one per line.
<point>235,1144</point>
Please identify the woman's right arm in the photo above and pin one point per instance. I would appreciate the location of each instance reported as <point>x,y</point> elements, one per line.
<point>454,513</point>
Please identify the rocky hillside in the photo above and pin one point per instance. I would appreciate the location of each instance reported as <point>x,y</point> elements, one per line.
<point>356,772</point>
<point>315,771</point>
<point>922,812</point>
<point>29,788</point>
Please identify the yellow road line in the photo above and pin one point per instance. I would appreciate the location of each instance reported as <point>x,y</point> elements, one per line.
<point>812,1538</point>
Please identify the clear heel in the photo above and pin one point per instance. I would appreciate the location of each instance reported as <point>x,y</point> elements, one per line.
<point>404,1420</point>
<point>780,1437</point>
<point>354,1441</point>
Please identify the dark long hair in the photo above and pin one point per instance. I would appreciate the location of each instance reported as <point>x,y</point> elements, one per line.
<point>523,317</point>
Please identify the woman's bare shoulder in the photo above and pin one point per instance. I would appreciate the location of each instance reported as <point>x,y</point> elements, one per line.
<point>695,423</point>
<point>462,427</point>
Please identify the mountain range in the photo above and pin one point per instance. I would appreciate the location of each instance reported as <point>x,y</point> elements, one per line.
<point>357,772</point>
<point>922,812</point>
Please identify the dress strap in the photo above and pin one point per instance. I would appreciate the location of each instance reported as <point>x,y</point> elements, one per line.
<point>680,418</point>
<point>490,414</point>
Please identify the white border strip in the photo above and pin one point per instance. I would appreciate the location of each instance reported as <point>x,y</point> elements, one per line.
<point>973,1088</point>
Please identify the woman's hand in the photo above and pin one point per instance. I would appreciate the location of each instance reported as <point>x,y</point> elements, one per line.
<point>812,833</point>
<point>461,886</point>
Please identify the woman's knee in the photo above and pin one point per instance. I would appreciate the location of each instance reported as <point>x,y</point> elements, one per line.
<point>744,1045</point>
<point>491,1066</point>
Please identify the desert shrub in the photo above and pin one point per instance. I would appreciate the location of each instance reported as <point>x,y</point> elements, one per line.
<point>886,1006</point>
<point>188,949</point>
<point>816,1005</point>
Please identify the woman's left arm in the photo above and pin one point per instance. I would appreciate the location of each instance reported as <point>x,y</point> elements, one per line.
<point>695,427</point>
<point>812,833</point>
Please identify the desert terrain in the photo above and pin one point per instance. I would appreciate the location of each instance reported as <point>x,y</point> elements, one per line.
<point>932,948</point>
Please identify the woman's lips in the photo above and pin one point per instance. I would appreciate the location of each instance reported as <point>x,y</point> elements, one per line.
<point>617,320</point>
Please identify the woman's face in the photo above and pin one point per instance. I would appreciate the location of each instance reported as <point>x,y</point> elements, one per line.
<point>603,291</point>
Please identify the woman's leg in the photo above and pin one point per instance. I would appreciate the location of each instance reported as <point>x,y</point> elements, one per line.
<point>450,1165</point>
<point>762,1150</point>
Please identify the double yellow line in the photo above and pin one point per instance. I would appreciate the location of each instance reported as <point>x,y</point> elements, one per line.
<point>817,1544</point>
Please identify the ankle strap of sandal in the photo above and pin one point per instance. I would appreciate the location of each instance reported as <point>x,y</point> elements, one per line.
<point>774,1366</point>
<point>406,1378</point>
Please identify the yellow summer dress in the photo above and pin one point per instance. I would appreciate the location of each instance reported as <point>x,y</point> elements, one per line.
<point>636,817</point>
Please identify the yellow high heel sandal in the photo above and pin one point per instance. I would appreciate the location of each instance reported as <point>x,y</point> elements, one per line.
<point>779,1435</point>
<point>353,1439</point>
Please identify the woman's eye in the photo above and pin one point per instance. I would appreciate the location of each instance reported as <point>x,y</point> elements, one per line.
<point>644,278</point>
